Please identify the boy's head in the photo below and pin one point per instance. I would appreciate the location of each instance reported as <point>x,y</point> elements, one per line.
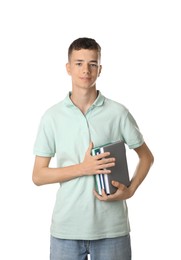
<point>84,43</point>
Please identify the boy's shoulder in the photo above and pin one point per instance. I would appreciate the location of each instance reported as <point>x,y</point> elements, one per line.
<point>117,106</point>
<point>55,109</point>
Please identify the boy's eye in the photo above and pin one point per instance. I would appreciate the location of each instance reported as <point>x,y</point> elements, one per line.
<point>93,65</point>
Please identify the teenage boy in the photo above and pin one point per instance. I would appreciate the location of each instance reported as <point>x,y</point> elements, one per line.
<point>84,222</point>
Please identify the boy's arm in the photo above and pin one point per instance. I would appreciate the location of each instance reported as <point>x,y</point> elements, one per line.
<point>145,161</point>
<point>43,174</point>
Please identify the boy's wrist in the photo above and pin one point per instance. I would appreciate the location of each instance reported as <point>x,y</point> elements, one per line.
<point>80,170</point>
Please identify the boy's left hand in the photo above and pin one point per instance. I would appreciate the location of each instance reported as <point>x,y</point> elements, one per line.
<point>122,193</point>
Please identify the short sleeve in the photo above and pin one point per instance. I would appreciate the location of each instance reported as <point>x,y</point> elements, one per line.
<point>131,132</point>
<point>45,141</point>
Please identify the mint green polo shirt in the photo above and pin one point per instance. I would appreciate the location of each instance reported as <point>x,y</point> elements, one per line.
<point>66,132</point>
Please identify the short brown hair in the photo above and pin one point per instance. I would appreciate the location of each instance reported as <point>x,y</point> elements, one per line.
<point>84,43</point>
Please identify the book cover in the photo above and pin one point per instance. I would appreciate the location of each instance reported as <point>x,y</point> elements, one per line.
<point>118,173</point>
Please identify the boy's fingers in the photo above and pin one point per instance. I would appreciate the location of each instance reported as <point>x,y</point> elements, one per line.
<point>103,155</point>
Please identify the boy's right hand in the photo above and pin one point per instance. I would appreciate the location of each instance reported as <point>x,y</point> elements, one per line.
<point>97,164</point>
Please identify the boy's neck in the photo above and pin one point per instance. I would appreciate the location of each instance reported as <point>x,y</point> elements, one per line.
<point>84,98</point>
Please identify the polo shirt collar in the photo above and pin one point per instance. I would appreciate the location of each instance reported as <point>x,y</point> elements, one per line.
<point>98,102</point>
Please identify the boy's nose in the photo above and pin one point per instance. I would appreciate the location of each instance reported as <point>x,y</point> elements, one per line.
<point>86,68</point>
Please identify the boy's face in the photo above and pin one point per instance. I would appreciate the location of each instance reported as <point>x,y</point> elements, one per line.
<point>84,68</point>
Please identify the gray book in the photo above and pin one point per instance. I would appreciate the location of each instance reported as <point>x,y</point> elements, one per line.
<point>118,173</point>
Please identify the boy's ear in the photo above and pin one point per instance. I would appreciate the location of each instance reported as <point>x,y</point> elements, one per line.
<point>68,68</point>
<point>100,69</point>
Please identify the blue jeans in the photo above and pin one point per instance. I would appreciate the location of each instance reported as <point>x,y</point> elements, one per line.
<point>118,248</point>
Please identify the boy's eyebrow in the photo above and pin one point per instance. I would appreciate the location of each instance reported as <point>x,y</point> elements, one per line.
<point>95,61</point>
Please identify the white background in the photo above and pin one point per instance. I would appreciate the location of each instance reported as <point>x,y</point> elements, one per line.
<point>141,58</point>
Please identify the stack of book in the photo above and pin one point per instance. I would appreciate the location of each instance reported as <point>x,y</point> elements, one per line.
<point>118,173</point>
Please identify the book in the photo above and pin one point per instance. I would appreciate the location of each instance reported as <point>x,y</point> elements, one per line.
<point>118,173</point>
